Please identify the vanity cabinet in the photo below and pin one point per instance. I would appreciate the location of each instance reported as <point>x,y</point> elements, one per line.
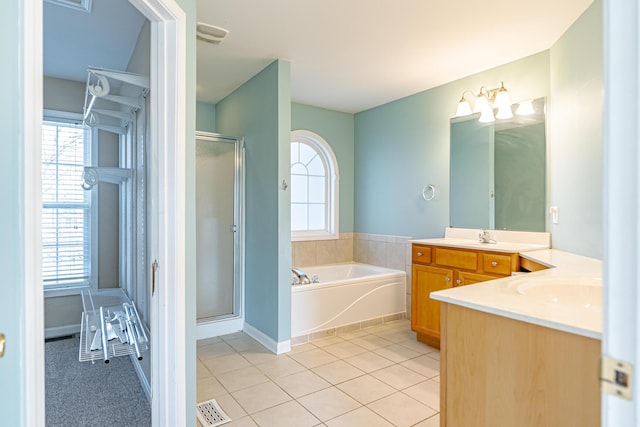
<point>435,268</point>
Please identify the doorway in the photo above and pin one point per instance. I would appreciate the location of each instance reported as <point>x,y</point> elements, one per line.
<point>171,353</point>
<point>219,233</point>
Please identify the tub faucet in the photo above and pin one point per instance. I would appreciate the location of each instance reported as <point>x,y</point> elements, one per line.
<point>301,276</point>
<point>484,237</point>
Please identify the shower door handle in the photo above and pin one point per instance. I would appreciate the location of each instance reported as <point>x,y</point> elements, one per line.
<point>234,228</point>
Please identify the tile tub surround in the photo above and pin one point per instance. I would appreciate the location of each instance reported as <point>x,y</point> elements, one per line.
<point>321,252</point>
<point>378,376</point>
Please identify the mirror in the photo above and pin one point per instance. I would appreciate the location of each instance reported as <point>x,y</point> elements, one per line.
<point>498,172</point>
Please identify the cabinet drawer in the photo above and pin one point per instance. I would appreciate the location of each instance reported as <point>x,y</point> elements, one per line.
<point>421,254</point>
<point>456,258</point>
<point>496,264</point>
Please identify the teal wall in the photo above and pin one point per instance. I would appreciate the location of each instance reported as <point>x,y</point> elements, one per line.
<point>337,129</point>
<point>575,118</point>
<point>404,145</point>
<point>11,227</point>
<point>205,117</point>
<point>259,111</point>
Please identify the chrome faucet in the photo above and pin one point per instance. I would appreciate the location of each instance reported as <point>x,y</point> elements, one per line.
<point>484,237</point>
<point>300,277</point>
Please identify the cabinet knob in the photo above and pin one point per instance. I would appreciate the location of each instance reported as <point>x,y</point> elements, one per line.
<point>494,263</point>
<point>419,254</point>
<point>458,281</point>
<point>448,279</point>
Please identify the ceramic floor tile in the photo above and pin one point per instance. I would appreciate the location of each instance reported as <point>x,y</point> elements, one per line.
<point>397,335</point>
<point>231,407</point>
<point>243,342</point>
<point>226,363</point>
<point>302,383</point>
<point>241,422</point>
<point>209,388</point>
<point>259,397</point>
<point>300,348</point>
<point>280,367</point>
<point>434,355</point>
<point>371,342</point>
<point>214,350</point>
<point>401,410</point>
<point>366,389</point>
<point>418,346</point>
<point>313,358</point>
<point>338,371</point>
<point>398,376</point>
<point>436,379</point>
<point>369,361</point>
<point>396,353</point>
<point>344,349</point>
<point>427,392</point>
<point>430,422</point>
<point>241,378</point>
<point>286,415</point>
<point>323,342</point>
<point>258,355</point>
<point>361,417</point>
<point>201,370</point>
<point>208,341</point>
<point>328,403</point>
<point>351,335</point>
<point>423,365</point>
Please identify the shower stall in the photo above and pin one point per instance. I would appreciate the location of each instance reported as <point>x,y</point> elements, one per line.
<point>219,233</point>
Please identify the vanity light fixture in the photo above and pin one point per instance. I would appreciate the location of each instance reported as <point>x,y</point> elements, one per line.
<point>525,108</point>
<point>485,102</point>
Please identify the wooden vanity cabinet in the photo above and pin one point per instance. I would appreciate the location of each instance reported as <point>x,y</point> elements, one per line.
<point>435,268</point>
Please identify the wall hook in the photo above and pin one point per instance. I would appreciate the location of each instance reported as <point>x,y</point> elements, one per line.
<point>285,185</point>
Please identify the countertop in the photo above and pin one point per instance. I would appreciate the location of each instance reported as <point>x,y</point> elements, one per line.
<point>504,297</point>
<point>501,246</point>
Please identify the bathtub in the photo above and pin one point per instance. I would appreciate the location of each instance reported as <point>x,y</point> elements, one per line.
<point>346,293</point>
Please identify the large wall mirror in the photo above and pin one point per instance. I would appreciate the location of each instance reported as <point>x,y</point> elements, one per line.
<point>498,172</point>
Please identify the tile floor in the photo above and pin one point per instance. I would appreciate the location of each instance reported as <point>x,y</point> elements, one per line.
<point>378,376</point>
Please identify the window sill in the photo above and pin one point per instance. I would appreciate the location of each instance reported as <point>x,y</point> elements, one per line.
<point>309,236</point>
<point>66,290</point>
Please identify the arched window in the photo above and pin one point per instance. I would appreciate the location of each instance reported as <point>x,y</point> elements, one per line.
<point>314,188</point>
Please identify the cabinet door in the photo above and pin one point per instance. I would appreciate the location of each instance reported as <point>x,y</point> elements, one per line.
<point>465,278</point>
<point>425,312</point>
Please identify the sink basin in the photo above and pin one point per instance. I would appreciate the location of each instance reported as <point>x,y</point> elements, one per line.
<point>585,292</point>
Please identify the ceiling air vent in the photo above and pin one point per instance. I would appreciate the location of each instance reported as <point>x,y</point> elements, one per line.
<point>210,33</point>
<point>81,5</point>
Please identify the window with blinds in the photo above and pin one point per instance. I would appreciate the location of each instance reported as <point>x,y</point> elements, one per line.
<point>66,207</point>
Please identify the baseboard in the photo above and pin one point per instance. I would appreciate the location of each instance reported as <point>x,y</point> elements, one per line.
<point>273,345</point>
<point>218,327</point>
<point>146,387</point>
<point>58,331</point>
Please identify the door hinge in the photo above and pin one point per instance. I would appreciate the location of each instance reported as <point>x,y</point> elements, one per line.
<point>615,377</point>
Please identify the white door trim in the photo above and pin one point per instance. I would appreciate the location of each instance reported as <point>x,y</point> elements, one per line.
<point>621,138</point>
<point>168,137</point>
<point>32,371</point>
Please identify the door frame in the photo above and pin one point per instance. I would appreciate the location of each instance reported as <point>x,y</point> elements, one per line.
<point>167,148</point>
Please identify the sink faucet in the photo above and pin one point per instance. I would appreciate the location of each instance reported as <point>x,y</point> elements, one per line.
<point>484,237</point>
<point>301,276</point>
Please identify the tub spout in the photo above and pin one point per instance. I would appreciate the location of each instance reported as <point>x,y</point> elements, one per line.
<point>303,279</point>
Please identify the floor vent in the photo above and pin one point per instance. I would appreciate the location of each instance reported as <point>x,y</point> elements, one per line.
<point>210,414</point>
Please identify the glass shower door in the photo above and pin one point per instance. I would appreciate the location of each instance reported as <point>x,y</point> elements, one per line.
<point>218,228</point>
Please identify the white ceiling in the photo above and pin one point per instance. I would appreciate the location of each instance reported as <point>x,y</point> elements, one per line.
<point>346,55</point>
<point>352,55</point>
<point>74,40</point>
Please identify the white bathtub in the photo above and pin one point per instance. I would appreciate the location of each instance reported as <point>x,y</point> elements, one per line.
<point>347,293</point>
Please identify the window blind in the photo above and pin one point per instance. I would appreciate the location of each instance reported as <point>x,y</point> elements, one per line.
<point>66,207</point>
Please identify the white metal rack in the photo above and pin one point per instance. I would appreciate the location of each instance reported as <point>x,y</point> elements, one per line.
<point>112,98</point>
<point>110,310</point>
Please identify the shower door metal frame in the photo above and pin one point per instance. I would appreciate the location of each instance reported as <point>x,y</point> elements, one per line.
<point>206,326</point>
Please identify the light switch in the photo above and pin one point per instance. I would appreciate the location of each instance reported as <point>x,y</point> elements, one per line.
<point>553,210</point>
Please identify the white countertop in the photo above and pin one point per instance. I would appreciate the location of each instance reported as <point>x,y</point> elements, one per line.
<point>501,297</point>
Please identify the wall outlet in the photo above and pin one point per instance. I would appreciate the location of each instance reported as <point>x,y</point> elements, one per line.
<point>553,210</point>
